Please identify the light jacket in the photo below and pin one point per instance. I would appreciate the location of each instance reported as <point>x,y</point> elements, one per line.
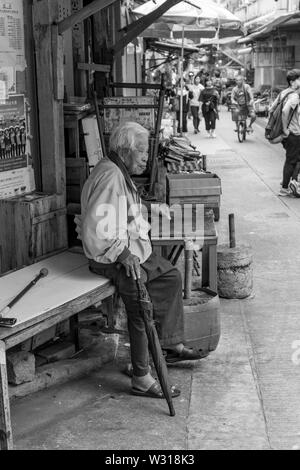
<point>112,223</point>
<point>196,92</point>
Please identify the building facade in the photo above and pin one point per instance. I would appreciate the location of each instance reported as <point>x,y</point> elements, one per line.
<point>274,37</point>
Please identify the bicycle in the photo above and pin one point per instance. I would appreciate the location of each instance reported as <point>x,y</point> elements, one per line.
<point>240,119</point>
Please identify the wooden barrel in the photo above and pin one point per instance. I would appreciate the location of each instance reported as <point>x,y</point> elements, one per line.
<point>202,320</point>
<point>235,272</point>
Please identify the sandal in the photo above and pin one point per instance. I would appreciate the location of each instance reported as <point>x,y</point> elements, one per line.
<point>185,355</point>
<point>155,392</point>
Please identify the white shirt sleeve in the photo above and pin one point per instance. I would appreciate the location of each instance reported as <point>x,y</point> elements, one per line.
<point>104,225</point>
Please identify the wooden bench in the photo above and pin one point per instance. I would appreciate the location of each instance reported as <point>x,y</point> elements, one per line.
<point>69,288</point>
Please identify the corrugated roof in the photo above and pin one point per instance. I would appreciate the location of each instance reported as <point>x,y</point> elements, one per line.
<point>288,19</point>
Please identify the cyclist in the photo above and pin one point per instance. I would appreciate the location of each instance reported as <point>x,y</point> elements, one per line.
<point>242,97</point>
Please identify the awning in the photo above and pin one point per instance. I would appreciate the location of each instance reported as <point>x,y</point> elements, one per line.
<point>261,21</point>
<point>217,41</point>
<point>172,47</point>
<point>287,19</point>
<point>246,50</point>
<point>208,32</point>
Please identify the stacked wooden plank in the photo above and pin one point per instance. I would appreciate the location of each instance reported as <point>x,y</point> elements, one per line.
<point>180,156</point>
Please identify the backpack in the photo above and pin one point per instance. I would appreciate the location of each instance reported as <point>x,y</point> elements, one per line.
<point>294,186</point>
<point>274,130</point>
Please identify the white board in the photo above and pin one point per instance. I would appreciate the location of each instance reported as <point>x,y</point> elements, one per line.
<point>69,278</point>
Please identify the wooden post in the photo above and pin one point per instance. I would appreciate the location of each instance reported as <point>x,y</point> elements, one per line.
<point>6,441</point>
<point>118,60</point>
<point>80,82</point>
<point>137,27</point>
<point>49,57</point>
<point>83,14</point>
<point>232,241</point>
<point>143,23</point>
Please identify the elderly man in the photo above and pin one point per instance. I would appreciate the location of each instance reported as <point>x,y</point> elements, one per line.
<point>115,240</point>
<point>242,96</point>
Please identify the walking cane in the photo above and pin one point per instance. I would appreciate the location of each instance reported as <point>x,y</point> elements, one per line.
<point>7,322</point>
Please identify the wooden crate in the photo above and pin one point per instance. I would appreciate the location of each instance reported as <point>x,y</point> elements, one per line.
<point>195,189</point>
<point>77,172</point>
<point>32,226</point>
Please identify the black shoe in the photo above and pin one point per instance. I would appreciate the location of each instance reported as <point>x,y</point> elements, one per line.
<point>187,354</point>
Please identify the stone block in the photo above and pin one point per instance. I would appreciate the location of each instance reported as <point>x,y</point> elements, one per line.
<point>20,367</point>
<point>95,342</point>
<point>57,351</point>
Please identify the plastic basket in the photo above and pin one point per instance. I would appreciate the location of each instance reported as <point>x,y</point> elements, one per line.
<point>238,115</point>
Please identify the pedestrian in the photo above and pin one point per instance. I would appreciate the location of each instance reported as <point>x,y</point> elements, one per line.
<point>190,81</point>
<point>291,130</point>
<point>217,81</point>
<point>185,106</point>
<point>194,95</point>
<point>242,97</point>
<point>174,76</point>
<point>209,98</point>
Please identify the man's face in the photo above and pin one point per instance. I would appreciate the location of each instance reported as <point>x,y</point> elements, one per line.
<point>296,84</point>
<point>239,81</point>
<point>136,161</point>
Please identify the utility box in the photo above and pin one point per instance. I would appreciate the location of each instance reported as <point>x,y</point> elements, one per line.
<point>31,227</point>
<point>203,188</point>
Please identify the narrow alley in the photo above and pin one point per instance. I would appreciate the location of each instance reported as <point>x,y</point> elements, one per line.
<point>243,396</point>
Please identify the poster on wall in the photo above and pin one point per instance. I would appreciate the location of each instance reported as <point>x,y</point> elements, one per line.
<point>115,115</point>
<point>92,140</point>
<point>12,49</point>
<point>12,31</point>
<point>14,169</point>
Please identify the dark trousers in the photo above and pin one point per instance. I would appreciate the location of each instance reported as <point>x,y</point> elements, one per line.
<point>210,120</point>
<point>184,122</point>
<point>290,169</point>
<point>196,119</point>
<point>164,285</point>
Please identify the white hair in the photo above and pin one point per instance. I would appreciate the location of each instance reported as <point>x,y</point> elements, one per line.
<point>125,136</point>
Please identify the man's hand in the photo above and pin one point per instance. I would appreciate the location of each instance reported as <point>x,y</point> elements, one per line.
<point>286,133</point>
<point>132,266</point>
<point>161,209</point>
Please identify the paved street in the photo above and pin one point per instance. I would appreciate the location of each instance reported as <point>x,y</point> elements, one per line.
<point>243,396</point>
<point>268,324</point>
